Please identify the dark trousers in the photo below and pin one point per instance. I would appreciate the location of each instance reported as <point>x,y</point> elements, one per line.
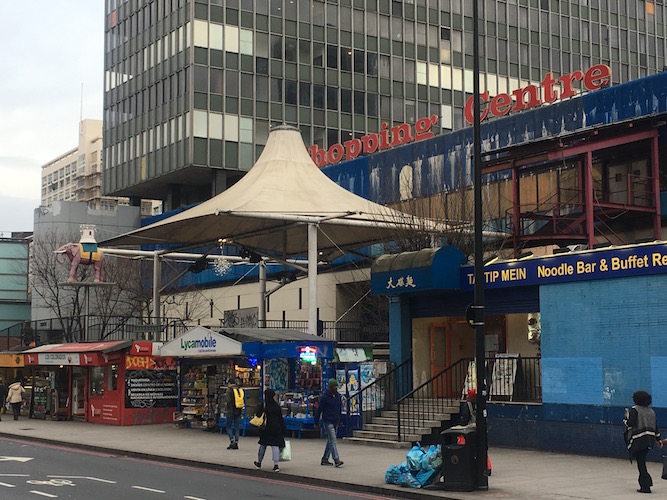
<point>16,409</point>
<point>645,481</point>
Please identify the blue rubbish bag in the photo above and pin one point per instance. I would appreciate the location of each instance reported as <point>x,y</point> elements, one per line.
<point>392,474</point>
<point>432,458</point>
<point>407,479</point>
<point>426,477</point>
<point>414,458</point>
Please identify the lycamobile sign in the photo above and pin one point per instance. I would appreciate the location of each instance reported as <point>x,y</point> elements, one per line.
<point>206,344</point>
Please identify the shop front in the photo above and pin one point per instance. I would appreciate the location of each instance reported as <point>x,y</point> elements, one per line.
<point>569,337</point>
<point>295,365</point>
<point>115,383</point>
<point>206,361</point>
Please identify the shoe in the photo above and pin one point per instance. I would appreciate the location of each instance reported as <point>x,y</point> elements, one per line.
<point>325,462</point>
<point>339,463</point>
<point>231,446</point>
<point>258,464</point>
<point>643,491</point>
<point>276,468</point>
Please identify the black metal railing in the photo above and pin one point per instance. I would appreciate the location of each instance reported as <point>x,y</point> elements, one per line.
<point>100,328</point>
<point>339,331</point>
<point>431,401</point>
<point>382,394</point>
<point>514,379</point>
<point>89,329</point>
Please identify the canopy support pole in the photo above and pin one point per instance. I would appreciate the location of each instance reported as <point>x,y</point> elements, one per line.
<point>156,288</point>
<point>312,279</point>
<point>262,294</point>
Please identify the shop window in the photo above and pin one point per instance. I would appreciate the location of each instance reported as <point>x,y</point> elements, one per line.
<point>97,381</point>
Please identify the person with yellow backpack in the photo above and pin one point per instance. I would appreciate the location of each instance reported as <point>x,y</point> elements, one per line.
<point>235,407</point>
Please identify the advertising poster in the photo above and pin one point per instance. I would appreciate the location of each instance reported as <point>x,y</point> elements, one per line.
<point>367,374</point>
<point>151,388</point>
<point>276,374</point>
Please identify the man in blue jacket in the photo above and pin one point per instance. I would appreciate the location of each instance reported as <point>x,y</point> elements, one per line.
<point>329,409</point>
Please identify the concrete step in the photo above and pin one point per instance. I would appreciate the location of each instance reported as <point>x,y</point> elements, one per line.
<point>380,443</point>
<point>386,436</point>
<point>408,415</point>
<point>387,429</point>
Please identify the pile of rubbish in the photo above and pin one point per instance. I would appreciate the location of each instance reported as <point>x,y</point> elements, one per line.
<point>419,469</point>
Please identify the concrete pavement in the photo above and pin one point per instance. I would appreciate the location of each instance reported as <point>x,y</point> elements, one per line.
<point>517,474</point>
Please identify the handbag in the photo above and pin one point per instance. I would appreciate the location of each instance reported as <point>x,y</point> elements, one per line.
<point>286,452</point>
<point>664,466</point>
<point>259,422</point>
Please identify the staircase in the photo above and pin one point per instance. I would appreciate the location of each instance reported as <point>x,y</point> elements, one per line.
<point>395,416</point>
<point>417,426</point>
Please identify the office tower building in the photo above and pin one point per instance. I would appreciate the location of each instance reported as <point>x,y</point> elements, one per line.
<point>192,87</point>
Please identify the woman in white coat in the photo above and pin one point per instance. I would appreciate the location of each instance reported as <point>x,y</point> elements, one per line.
<point>15,397</point>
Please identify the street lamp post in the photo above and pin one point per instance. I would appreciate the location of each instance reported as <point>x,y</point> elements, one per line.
<point>478,300</point>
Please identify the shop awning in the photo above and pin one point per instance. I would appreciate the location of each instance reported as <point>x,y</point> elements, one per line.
<point>278,342</point>
<point>75,353</point>
<point>201,342</point>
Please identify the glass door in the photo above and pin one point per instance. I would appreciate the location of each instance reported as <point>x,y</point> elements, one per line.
<point>78,391</point>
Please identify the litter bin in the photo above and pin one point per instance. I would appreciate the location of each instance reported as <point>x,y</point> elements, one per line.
<point>459,461</point>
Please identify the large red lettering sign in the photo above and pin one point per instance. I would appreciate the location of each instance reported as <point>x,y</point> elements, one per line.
<point>368,144</point>
<point>529,96</point>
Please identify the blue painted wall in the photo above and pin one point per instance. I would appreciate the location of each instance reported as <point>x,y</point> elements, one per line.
<point>602,340</point>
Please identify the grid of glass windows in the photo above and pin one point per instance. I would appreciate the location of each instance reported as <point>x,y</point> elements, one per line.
<point>200,82</point>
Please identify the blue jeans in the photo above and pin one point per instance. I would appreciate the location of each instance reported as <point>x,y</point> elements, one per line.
<point>233,425</point>
<point>330,432</point>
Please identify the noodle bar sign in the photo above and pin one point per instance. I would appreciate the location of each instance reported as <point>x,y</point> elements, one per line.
<point>531,96</point>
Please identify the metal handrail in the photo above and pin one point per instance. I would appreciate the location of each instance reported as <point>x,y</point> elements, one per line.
<point>431,400</point>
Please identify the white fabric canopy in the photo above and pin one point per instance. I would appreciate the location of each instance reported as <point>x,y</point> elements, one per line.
<point>269,210</point>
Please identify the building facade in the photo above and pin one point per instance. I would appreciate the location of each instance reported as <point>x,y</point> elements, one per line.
<point>14,287</point>
<point>192,87</point>
<point>77,174</point>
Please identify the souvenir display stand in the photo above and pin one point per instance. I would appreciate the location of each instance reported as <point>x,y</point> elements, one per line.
<point>296,371</point>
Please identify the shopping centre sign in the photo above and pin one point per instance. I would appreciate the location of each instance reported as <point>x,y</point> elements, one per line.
<point>371,143</point>
<point>531,96</point>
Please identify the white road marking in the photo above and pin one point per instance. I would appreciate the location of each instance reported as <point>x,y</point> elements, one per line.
<point>43,494</point>
<point>148,489</point>
<point>7,485</point>
<point>15,459</point>
<point>86,477</point>
<point>14,475</point>
<point>193,498</point>
<point>52,482</point>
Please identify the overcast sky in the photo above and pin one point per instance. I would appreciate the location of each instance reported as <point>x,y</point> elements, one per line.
<point>49,49</point>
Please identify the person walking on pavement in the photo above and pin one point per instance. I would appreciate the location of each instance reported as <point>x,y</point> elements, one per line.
<point>273,434</point>
<point>3,395</point>
<point>15,397</point>
<point>235,406</point>
<point>329,409</point>
<point>642,433</point>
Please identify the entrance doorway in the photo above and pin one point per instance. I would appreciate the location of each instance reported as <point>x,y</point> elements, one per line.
<point>78,392</point>
<point>441,356</point>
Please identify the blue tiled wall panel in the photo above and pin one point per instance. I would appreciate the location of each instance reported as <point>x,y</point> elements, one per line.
<point>602,340</point>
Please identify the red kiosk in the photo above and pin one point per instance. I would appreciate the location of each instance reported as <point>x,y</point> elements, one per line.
<point>116,383</point>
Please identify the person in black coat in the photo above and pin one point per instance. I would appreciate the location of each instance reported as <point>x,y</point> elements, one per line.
<point>3,395</point>
<point>273,434</point>
<point>642,433</point>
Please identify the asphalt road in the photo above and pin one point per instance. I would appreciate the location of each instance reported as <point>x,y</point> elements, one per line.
<point>35,471</point>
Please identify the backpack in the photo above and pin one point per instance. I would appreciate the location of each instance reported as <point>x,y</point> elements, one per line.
<point>239,400</point>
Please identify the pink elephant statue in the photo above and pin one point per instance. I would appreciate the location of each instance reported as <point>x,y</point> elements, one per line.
<point>77,255</point>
